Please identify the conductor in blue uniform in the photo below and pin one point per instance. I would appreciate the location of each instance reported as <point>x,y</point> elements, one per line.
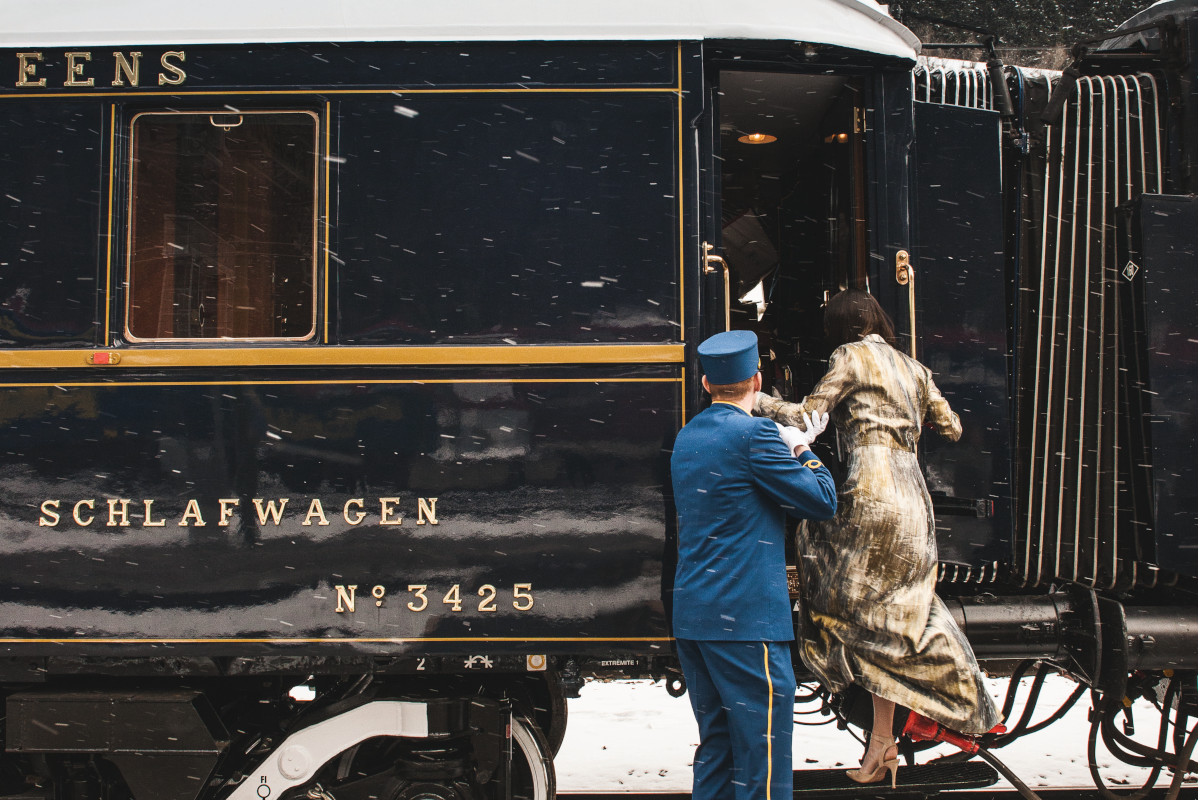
<point>736,477</point>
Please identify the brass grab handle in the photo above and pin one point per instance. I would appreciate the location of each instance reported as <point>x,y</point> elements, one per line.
<point>711,258</point>
<point>905,276</point>
<point>225,126</point>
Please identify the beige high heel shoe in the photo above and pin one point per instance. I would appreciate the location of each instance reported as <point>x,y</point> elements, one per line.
<point>891,764</point>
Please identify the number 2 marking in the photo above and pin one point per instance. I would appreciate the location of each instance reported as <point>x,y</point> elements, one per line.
<point>488,593</point>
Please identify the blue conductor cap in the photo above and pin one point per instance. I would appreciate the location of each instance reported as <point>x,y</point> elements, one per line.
<point>729,357</point>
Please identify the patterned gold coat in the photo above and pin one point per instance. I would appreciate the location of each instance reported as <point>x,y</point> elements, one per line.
<point>868,575</point>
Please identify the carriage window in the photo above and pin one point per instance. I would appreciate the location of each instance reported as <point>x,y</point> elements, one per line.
<point>222,236</point>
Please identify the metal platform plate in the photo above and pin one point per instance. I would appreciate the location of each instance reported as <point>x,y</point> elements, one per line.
<point>924,780</point>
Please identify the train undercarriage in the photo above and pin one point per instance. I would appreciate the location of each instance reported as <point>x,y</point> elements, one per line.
<point>364,728</point>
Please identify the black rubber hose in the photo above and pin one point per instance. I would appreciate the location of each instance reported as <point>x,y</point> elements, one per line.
<point>1180,732</point>
<point>806,693</point>
<point>1097,716</point>
<point>1062,710</point>
<point>1022,727</point>
<point>1112,736</point>
<point>1134,759</point>
<point>1013,683</point>
<point>1024,790</point>
<point>1035,692</point>
<point>1009,737</point>
<point>1139,754</point>
<point>1184,755</point>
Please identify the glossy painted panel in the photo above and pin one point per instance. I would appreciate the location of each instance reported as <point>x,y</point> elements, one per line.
<point>962,325</point>
<point>505,219</point>
<point>51,204</point>
<point>553,484</point>
<point>1164,253</point>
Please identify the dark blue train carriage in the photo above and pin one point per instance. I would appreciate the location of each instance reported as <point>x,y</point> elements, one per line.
<point>342,355</point>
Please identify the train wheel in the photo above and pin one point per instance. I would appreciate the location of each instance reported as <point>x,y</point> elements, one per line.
<point>532,764</point>
<point>543,700</point>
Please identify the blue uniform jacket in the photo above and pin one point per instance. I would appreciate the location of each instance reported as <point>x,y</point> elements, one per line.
<point>734,481</point>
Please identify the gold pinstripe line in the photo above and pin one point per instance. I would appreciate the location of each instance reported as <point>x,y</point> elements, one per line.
<point>327,382</point>
<point>366,640</point>
<point>333,356</point>
<point>328,153</point>
<point>679,176</point>
<point>770,712</point>
<point>683,396</point>
<point>679,192</point>
<point>112,179</point>
<point>331,91</point>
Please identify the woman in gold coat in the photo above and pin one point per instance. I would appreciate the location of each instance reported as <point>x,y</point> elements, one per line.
<point>868,575</point>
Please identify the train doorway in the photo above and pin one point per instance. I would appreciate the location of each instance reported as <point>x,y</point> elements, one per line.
<point>790,178</point>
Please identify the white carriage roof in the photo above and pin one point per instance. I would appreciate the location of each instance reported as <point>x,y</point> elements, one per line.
<point>858,24</point>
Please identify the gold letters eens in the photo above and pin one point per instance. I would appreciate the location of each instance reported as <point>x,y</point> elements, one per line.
<point>31,68</point>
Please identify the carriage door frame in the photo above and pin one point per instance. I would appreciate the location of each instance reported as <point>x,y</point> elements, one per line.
<point>714,286</point>
<point>813,199</point>
<point>962,311</point>
<point>695,156</point>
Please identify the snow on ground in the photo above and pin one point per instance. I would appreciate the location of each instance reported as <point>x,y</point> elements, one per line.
<point>632,736</point>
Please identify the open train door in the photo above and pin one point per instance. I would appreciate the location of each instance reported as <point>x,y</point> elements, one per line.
<point>962,309</point>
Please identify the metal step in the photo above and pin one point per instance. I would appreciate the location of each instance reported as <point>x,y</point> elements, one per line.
<point>923,780</point>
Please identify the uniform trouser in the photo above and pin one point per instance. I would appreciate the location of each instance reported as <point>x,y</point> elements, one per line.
<point>743,695</point>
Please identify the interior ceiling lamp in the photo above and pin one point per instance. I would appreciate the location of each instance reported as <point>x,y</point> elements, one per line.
<point>756,138</point>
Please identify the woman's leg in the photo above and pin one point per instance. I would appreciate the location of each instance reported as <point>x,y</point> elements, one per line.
<point>884,711</point>
<point>880,758</point>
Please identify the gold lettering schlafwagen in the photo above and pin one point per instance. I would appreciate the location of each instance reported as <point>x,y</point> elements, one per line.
<point>80,73</point>
<point>118,512</point>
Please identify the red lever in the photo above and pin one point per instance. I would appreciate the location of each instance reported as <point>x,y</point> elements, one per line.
<point>921,728</point>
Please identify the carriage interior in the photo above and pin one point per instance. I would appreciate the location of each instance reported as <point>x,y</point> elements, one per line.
<point>793,211</point>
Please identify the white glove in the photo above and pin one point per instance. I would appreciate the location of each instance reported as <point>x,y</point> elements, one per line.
<point>814,426</point>
<point>799,440</point>
<point>791,436</point>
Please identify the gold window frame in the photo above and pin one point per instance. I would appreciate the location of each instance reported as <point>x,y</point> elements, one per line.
<point>132,177</point>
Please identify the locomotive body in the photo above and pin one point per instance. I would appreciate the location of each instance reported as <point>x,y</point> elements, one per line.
<point>342,358</point>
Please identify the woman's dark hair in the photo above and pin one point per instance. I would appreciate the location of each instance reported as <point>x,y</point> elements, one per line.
<point>852,314</point>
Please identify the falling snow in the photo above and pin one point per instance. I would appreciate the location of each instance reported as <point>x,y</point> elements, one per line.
<point>632,736</point>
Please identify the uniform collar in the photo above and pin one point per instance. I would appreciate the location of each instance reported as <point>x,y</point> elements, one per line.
<point>734,405</point>
<point>874,337</point>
